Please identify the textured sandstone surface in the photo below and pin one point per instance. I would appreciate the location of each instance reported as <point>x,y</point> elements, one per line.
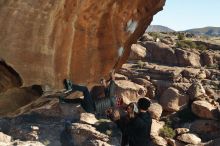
<point>173,100</point>
<point>189,138</point>
<point>45,41</point>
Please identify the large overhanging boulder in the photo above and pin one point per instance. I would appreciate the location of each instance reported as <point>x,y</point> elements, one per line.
<point>46,41</point>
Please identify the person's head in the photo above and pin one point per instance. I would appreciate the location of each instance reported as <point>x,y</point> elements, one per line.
<point>132,110</point>
<point>143,104</point>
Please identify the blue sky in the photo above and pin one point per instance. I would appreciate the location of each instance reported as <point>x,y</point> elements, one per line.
<point>187,14</point>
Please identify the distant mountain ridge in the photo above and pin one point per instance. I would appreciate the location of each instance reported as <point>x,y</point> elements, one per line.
<point>211,31</point>
<point>159,28</point>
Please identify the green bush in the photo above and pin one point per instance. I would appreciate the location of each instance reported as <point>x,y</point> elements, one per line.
<point>46,142</point>
<point>155,35</point>
<point>167,131</point>
<point>190,44</point>
<point>140,64</point>
<point>186,44</point>
<point>213,66</point>
<point>180,44</point>
<point>181,36</point>
<point>202,47</point>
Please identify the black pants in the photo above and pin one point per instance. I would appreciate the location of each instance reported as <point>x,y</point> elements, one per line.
<point>87,102</point>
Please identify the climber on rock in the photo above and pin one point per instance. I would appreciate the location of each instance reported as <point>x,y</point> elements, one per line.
<point>97,100</point>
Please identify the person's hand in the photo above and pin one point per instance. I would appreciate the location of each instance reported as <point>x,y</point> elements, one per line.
<point>113,74</point>
<point>116,115</point>
<point>113,114</point>
<point>113,71</point>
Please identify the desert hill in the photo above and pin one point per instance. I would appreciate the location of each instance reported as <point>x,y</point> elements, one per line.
<point>159,28</point>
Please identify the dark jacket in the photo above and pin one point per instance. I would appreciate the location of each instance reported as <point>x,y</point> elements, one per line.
<point>122,125</point>
<point>138,130</point>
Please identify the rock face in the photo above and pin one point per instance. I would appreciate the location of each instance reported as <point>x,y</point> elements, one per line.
<point>87,132</point>
<point>47,41</point>
<point>8,77</point>
<point>160,53</point>
<point>137,52</point>
<point>155,127</point>
<point>6,140</point>
<point>189,138</point>
<point>14,98</point>
<point>155,110</point>
<point>181,131</point>
<point>128,91</point>
<point>36,129</point>
<point>88,118</point>
<point>206,129</point>
<point>203,109</point>
<point>196,90</point>
<point>159,141</point>
<point>187,58</point>
<point>172,100</point>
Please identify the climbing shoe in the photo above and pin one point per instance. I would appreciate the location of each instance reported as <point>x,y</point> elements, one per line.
<point>68,84</point>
